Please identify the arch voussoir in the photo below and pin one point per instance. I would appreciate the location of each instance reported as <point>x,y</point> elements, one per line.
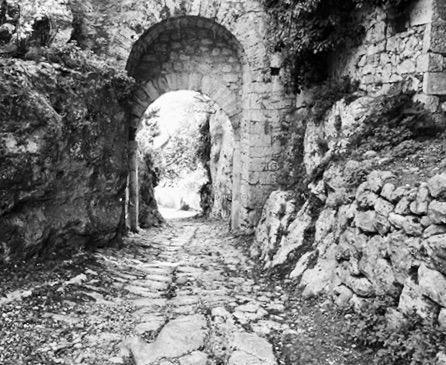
<point>161,84</point>
<point>151,90</point>
<point>195,81</point>
<point>138,109</point>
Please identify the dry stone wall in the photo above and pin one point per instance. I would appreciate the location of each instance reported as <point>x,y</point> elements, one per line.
<point>375,222</point>
<point>408,47</point>
<point>384,236</point>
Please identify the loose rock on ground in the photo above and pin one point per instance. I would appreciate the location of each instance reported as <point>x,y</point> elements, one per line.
<point>185,294</point>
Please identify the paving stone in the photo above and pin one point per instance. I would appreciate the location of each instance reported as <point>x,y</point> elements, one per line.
<point>265,327</point>
<point>184,300</point>
<point>149,302</point>
<point>255,346</point>
<point>240,357</point>
<point>251,307</point>
<point>178,338</point>
<point>195,358</point>
<point>151,285</point>
<point>162,278</point>
<point>141,291</point>
<point>191,277</point>
<point>220,312</point>
<point>148,326</point>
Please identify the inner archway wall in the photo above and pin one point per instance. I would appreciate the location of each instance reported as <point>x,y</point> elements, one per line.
<point>232,68</point>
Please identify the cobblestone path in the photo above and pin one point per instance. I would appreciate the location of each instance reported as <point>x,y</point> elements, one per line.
<point>182,295</point>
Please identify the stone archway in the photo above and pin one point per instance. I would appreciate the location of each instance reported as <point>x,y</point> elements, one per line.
<point>186,53</point>
<point>228,62</point>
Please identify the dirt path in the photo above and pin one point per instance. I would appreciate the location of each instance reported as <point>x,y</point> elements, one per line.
<point>182,295</point>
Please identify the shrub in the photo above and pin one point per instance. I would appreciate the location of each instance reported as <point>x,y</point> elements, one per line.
<point>395,118</point>
<point>306,31</point>
<point>415,342</point>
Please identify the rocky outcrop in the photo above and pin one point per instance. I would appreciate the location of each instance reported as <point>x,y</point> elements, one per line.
<point>149,215</point>
<point>277,215</point>
<point>221,165</point>
<point>378,244</point>
<point>62,156</point>
<point>382,227</point>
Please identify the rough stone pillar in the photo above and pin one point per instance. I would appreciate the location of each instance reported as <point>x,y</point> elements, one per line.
<point>236,182</point>
<point>133,202</point>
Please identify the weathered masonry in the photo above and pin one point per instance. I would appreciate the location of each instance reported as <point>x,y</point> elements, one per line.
<point>68,187</point>
<point>217,49</point>
<point>383,233</point>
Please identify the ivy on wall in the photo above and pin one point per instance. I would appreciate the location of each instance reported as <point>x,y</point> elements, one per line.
<point>307,31</point>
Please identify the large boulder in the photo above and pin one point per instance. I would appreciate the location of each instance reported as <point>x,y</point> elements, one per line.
<point>296,242</point>
<point>437,185</point>
<point>278,212</point>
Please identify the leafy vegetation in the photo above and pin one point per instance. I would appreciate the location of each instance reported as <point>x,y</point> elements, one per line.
<point>293,174</point>
<point>307,31</point>
<point>415,341</point>
<point>395,118</point>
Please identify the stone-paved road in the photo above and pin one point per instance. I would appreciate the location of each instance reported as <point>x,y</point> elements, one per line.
<point>182,295</point>
<point>192,299</point>
<point>196,301</point>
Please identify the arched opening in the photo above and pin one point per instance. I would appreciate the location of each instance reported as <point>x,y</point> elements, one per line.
<point>186,147</point>
<point>187,53</point>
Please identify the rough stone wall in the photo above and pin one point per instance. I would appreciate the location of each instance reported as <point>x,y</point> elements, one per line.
<point>138,32</point>
<point>407,48</point>
<point>191,50</point>
<point>375,223</point>
<point>63,159</point>
<point>366,231</point>
<point>221,163</point>
<point>255,107</point>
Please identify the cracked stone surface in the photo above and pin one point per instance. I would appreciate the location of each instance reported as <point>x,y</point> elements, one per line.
<point>190,298</point>
<point>184,294</point>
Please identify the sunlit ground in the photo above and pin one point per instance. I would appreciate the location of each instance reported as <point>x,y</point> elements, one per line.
<point>169,213</point>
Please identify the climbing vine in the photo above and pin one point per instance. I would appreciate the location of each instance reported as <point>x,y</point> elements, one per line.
<point>307,31</point>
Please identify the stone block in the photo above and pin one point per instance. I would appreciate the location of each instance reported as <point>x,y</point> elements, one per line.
<point>422,63</point>
<point>383,207</point>
<point>376,179</point>
<point>195,81</point>
<point>366,221</point>
<point>430,62</point>
<point>138,109</point>
<point>434,83</point>
<point>407,67</point>
<point>430,102</point>
<point>437,212</point>
<point>432,284</point>
<point>377,32</point>
<point>437,185</point>
<point>376,48</point>
<point>422,12</point>
<point>437,37</point>
<point>436,62</point>
<point>412,226</point>
<point>412,299</point>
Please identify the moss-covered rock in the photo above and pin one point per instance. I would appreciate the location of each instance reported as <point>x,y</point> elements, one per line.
<point>62,157</point>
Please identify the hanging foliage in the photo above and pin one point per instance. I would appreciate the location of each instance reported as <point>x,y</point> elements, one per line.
<point>307,31</point>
